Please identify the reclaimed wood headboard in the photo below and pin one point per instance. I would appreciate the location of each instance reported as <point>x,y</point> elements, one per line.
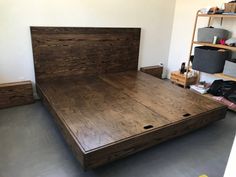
<point>71,51</point>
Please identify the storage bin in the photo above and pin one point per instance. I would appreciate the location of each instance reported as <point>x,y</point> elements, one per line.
<point>207,34</point>
<point>210,60</point>
<point>230,68</point>
<point>180,79</point>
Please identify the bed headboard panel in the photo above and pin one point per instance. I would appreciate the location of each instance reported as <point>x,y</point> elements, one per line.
<point>69,51</point>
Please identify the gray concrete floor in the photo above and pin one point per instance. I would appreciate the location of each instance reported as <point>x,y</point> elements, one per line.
<point>32,146</point>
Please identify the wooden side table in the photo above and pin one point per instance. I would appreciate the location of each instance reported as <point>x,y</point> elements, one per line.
<point>153,70</point>
<point>16,94</point>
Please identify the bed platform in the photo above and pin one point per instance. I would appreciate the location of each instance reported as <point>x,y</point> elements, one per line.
<point>105,108</point>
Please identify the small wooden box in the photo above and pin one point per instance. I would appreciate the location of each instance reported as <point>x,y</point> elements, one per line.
<point>180,79</point>
<point>153,70</point>
<point>230,7</point>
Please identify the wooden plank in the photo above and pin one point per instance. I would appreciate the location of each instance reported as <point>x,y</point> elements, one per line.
<point>154,137</point>
<point>105,114</point>
<point>216,45</point>
<point>168,100</point>
<point>15,94</point>
<point>217,15</point>
<point>64,128</point>
<point>110,117</point>
<point>66,51</point>
<point>224,76</point>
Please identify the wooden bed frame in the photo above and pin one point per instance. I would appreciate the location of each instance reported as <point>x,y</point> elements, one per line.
<point>105,108</point>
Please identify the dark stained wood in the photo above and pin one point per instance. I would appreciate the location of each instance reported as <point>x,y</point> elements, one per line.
<point>153,70</point>
<point>15,94</point>
<point>104,118</point>
<point>105,109</point>
<point>160,96</point>
<point>105,114</point>
<point>64,128</point>
<point>67,51</point>
<point>135,144</point>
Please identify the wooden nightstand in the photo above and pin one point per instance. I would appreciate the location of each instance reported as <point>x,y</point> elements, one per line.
<point>16,94</point>
<point>153,70</point>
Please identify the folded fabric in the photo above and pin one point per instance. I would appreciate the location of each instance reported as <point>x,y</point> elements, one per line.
<point>226,102</point>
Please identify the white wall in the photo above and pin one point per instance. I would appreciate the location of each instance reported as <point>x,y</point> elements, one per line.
<point>184,18</point>
<point>155,17</point>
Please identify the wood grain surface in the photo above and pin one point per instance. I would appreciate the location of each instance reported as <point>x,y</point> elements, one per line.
<point>153,70</point>
<point>67,51</point>
<point>105,114</point>
<point>169,101</point>
<point>106,110</point>
<point>15,94</point>
<point>108,117</point>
